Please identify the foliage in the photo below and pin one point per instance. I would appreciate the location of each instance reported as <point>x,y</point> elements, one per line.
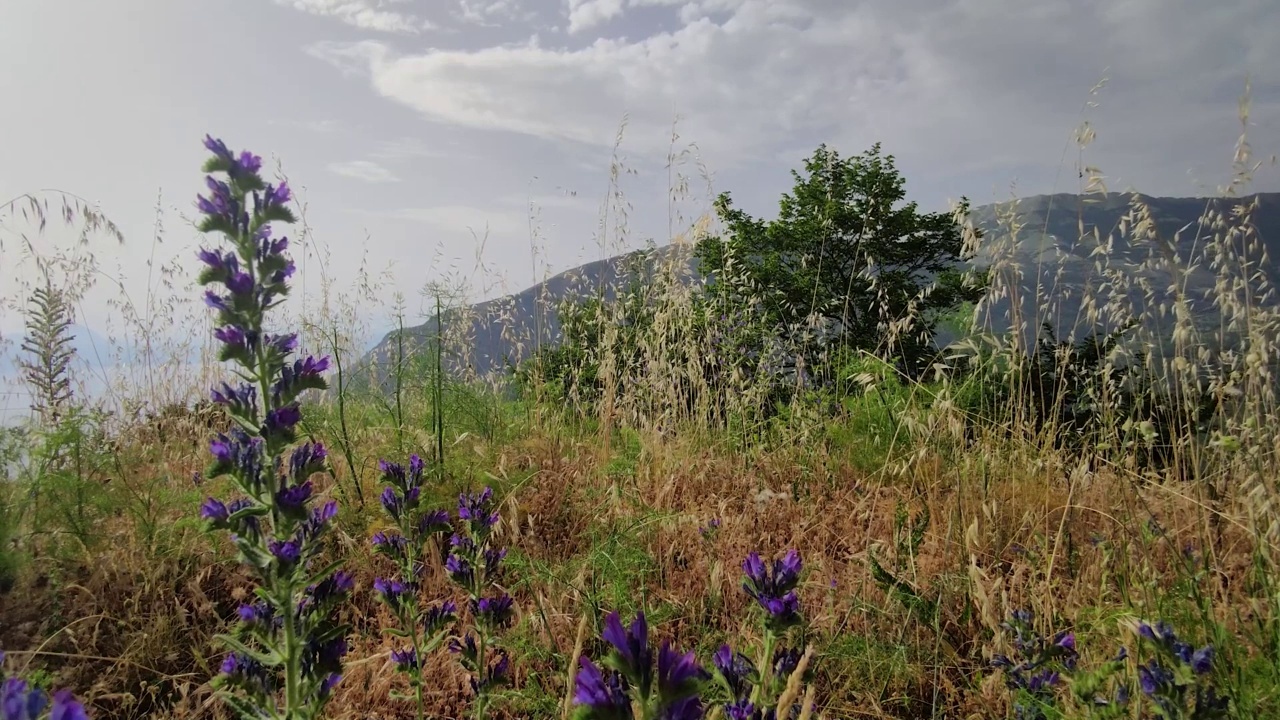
<point>48,343</point>
<point>846,264</point>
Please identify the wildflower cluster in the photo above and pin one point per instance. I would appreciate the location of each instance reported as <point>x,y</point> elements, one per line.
<point>1176,677</point>
<point>628,688</point>
<point>425,630</point>
<point>288,646</point>
<point>1174,681</point>
<point>475,565</point>
<point>1035,671</point>
<point>20,701</point>
<point>756,689</point>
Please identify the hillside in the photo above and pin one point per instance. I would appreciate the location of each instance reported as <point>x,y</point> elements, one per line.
<point>485,337</point>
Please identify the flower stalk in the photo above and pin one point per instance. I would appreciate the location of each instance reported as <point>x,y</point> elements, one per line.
<point>416,527</point>
<point>286,654</point>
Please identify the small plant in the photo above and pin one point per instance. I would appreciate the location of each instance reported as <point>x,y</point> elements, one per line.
<point>474,564</point>
<point>1176,677</point>
<point>20,701</point>
<point>628,688</point>
<point>1035,670</point>
<point>761,688</point>
<point>1174,680</point>
<point>48,345</point>
<point>287,654</point>
<point>416,526</point>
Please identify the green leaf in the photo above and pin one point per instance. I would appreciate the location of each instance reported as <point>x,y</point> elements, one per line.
<point>269,659</point>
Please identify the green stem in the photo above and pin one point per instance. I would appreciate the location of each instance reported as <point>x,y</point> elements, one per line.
<point>292,679</point>
<point>760,695</point>
<point>414,618</point>
<point>481,688</point>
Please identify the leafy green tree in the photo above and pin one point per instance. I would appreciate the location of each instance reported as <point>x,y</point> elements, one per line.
<point>847,254</point>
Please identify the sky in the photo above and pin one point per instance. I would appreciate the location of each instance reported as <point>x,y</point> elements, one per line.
<point>411,128</point>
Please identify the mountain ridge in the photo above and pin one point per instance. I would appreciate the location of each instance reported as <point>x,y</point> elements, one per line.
<point>509,328</point>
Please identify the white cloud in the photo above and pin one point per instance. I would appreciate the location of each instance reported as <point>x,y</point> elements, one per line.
<point>963,85</point>
<point>586,14</point>
<point>364,14</point>
<point>365,170</point>
<point>491,12</point>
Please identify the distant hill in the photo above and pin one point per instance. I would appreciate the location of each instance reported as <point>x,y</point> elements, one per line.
<point>487,336</point>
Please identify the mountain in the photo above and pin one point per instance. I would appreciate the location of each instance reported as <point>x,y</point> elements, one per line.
<point>1128,265</point>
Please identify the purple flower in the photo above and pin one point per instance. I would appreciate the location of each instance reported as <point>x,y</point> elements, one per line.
<point>216,301</point>
<point>242,399</point>
<point>240,283</point>
<point>439,616</point>
<point>329,683</point>
<point>1042,681</point>
<point>292,500</point>
<point>738,671</point>
<point>333,587</point>
<point>276,195</point>
<point>773,591</point>
<point>20,702</point>
<point>319,520</point>
<point>65,707</point>
<point>1202,660</point>
<point>232,336</point>
<point>632,646</point>
<point>392,472</point>
<point>492,558</point>
<point>1067,641</point>
<point>600,692</point>
<point>219,265</point>
<point>307,459</point>
<point>1153,677</point>
<point>287,552</point>
<point>394,592</point>
<point>281,420</point>
<point>302,375</point>
<point>282,344</point>
<point>435,521</point>
<point>493,612</point>
<point>459,569</point>
<point>323,658</point>
<point>220,201</point>
<point>217,147</point>
<point>474,508</point>
<point>214,510</point>
<point>466,647</point>
<point>247,164</point>
<point>392,502</point>
<point>498,670</point>
<point>393,545</point>
<point>740,710</point>
<point>406,659</point>
<point>785,662</point>
<point>677,673</point>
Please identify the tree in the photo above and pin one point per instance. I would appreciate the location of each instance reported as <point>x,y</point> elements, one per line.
<point>846,256</point>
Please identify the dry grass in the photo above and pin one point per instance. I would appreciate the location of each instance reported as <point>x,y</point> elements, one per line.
<point>603,501</point>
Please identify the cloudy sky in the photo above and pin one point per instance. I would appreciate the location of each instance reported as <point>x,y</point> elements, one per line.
<point>409,126</point>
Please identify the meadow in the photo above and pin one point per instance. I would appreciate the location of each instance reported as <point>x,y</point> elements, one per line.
<point>1023,530</point>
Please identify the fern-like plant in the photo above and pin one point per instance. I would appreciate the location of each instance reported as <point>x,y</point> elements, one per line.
<point>49,352</point>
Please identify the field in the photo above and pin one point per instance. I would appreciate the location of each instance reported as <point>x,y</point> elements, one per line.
<point>1053,513</point>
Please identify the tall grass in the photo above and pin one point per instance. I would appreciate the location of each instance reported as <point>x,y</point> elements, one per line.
<point>1096,482</point>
